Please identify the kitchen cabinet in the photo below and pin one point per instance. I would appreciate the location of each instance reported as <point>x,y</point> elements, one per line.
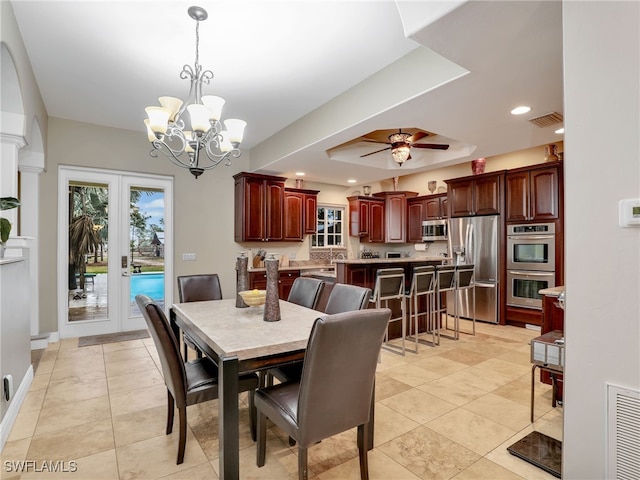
<point>306,214</point>
<point>258,280</point>
<point>552,319</point>
<point>476,195</point>
<point>259,207</point>
<point>366,218</point>
<point>293,215</point>
<point>419,209</point>
<point>395,215</point>
<point>532,193</point>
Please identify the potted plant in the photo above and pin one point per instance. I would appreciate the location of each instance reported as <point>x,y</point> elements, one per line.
<point>6,203</point>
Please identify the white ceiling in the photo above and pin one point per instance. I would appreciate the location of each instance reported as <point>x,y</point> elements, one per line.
<point>311,76</point>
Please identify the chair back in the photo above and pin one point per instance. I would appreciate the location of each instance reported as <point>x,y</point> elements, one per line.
<point>446,277</point>
<point>465,275</point>
<point>198,288</point>
<point>306,291</point>
<point>422,280</point>
<point>389,284</point>
<point>173,369</point>
<point>347,298</point>
<point>339,373</point>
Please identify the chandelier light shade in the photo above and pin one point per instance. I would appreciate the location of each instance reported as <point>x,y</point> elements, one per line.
<point>207,143</point>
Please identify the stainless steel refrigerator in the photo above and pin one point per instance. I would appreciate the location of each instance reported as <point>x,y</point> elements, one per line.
<point>474,240</point>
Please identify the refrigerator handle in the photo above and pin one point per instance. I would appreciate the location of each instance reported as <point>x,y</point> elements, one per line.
<point>469,244</point>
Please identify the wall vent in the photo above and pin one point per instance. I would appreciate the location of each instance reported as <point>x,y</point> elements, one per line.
<point>623,433</point>
<point>547,119</point>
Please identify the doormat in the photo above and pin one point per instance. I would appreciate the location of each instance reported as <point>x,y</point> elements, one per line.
<point>540,450</point>
<point>112,338</point>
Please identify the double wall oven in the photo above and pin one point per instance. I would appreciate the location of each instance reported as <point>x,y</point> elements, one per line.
<point>530,263</point>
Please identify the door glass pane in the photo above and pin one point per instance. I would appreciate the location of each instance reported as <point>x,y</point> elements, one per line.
<point>146,246</point>
<point>88,251</point>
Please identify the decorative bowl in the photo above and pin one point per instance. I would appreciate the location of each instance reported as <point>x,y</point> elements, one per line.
<point>254,298</point>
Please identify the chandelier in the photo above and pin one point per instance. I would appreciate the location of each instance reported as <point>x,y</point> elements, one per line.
<point>207,144</point>
<point>400,147</point>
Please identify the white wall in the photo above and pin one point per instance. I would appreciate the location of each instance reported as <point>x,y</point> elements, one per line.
<point>602,152</point>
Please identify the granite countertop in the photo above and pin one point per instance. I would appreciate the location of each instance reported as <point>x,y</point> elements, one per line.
<point>302,268</point>
<point>373,261</point>
<point>552,292</point>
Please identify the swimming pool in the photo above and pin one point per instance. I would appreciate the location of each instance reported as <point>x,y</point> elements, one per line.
<point>149,284</point>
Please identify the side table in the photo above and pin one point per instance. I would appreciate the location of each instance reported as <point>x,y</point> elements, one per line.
<point>547,354</point>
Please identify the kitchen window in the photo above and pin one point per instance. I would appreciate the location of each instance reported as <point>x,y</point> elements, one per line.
<point>330,227</point>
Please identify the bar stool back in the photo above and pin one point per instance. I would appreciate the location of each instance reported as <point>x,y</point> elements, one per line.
<point>390,285</point>
<point>445,282</point>
<point>422,285</point>
<point>465,281</point>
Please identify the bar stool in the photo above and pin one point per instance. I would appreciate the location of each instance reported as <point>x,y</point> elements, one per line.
<point>422,285</point>
<point>465,280</point>
<point>445,282</point>
<point>390,285</point>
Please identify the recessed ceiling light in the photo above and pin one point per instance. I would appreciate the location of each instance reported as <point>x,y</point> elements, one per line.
<point>520,110</point>
<point>351,180</point>
<point>300,174</point>
<point>560,130</point>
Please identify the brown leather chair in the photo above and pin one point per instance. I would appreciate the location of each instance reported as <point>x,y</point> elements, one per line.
<point>347,298</point>
<point>187,383</point>
<point>306,291</point>
<point>197,288</point>
<point>335,391</point>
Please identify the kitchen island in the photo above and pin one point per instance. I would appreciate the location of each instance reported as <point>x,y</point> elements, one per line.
<point>362,272</point>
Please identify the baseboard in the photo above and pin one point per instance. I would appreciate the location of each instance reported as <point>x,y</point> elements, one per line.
<point>42,340</point>
<point>14,407</point>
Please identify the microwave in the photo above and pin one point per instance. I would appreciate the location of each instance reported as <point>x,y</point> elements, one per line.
<point>433,230</point>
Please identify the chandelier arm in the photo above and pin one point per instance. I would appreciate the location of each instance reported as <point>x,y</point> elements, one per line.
<point>162,147</point>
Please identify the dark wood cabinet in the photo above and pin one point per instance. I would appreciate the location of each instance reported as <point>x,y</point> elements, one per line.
<point>532,194</point>
<point>476,195</point>
<point>259,207</point>
<point>293,216</point>
<point>419,209</point>
<point>366,218</point>
<point>258,280</point>
<point>395,215</point>
<point>310,212</point>
<point>552,319</point>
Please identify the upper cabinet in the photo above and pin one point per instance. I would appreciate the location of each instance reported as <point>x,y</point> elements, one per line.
<point>419,209</point>
<point>476,195</point>
<point>395,215</point>
<point>532,193</point>
<point>366,218</point>
<point>300,213</point>
<point>265,211</point>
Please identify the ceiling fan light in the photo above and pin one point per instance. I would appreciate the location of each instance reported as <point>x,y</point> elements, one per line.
<point>400,154</point>
<point>214,104</point>
<point>172,104</point>
<point>399,137</point>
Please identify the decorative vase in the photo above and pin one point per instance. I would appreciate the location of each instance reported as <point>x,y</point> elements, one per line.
<point>272,302</point>
<point>242,281</point>
<point>432,186</point>
<point>477,166</point>
<point>299,182</point>
<point>366,189</point>
<point>395,183</point>
<point>551,153</point>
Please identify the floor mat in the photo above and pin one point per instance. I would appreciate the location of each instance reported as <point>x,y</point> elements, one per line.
<point>540,450</point>
<point>112,338</point>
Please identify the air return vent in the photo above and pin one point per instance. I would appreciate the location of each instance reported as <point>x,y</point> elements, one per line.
<point>548,119</point>
<point>623,433</point>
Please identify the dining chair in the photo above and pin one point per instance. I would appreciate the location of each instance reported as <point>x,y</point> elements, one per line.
<point>336,389</point>
<point>188,383</point>
<point>197,288</point>
<point>347,298</point>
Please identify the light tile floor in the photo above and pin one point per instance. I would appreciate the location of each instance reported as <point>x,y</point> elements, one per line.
<point>448,412</point>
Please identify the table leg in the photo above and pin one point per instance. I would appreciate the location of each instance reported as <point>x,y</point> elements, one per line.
<point>174,325</point>
<point>533,386</point>
<point>228,419</point>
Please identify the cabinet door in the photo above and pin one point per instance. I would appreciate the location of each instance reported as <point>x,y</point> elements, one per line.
<point>395,211</point>
<point>461,198</point>
<point>257,281</point>
<point>357,275</point>
<point>285,283</point>
<point>310,213</point>
<point>274,211</point>
<point>253,209</point>
<point>376,226</point>
<point>544,194</point>
<point>517,197</point>
<point>293,208</point>
<point>486,196</point>
<point>415,209</point>
<point>433,208</point>
<point>444,203</point>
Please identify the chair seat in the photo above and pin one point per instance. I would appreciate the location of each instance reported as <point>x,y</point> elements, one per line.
<point>281,405</point>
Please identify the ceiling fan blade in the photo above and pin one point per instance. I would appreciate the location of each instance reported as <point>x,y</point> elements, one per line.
<point>434,146</point>
<point>377,151</point>
<point>417,136</point>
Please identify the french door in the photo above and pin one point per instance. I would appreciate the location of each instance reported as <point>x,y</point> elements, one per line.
<point>114,241</point>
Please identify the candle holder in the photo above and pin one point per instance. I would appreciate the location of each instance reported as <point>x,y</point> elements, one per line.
<point>272,302</point>
<point>242,280</point>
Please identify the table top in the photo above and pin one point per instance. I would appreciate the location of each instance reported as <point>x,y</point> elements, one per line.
<point>242,332</point>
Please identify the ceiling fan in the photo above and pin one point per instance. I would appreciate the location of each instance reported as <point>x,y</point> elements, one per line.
<point>401,144</point>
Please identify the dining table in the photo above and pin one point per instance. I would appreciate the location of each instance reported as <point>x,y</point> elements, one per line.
<point>240,341</point>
